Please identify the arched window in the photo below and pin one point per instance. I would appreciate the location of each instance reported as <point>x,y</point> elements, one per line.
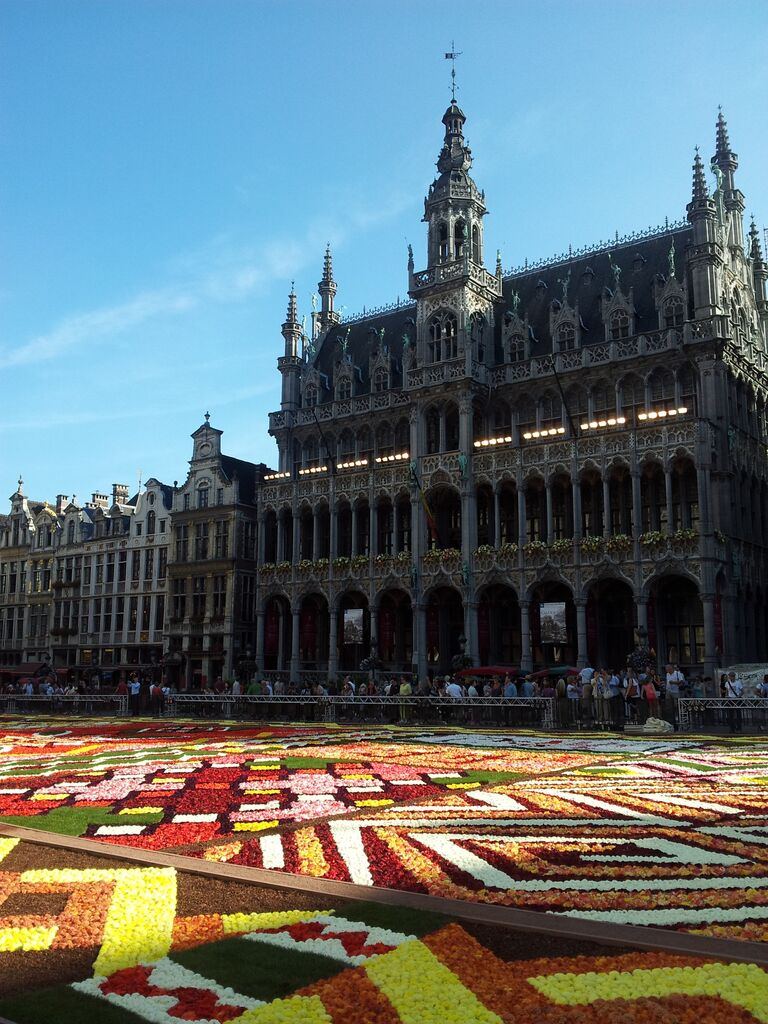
<point>632,391</point>
<point>150,523</point>
<point>443,337</point>
<point>673,312</point>
<point>442,234</point>
<point>459,238</point>
<point>381,380</point>
<point>619,327</point>
<point>343,389</point>
<point>662,386</point>
<point>604,398</point>
<point>384,440</point>
<point>515,348</point>
<point>476,254</point>
<point>566,336</point>
<point>71,532</point>
<point>310,396</point>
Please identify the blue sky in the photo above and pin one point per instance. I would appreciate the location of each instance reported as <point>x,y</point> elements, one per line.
<point>168,167</point>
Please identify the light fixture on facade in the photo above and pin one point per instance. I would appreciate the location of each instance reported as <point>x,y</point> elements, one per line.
<point>353,464</point>
<point>537,435</point>
<point>662,414</point>
<point>399,457</point>
<point>277,476</point>
<point>489,442</point>
<point>611,421</point>
<point>313,470</point>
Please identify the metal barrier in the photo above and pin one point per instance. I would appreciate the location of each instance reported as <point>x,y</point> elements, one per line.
<point>527,712</point>
<point>64,703</point>
<point>736,714</point>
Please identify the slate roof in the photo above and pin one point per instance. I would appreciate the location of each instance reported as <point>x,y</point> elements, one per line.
<point>248,474</point>
<point>641,261</point>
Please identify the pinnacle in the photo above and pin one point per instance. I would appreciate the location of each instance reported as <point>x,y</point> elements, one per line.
<point>755,249</point>
<point>723,144</point>
<point>700,192</point>
<point>328,264</point>
<point>292,316</point>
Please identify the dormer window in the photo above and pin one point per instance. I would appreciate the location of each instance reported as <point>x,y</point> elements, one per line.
<point>202,496</point>
<point>673,312</point>
<point>516,348</point>
<point>380,380</point>
<point>344,389</point>
<point>619,327</point>
<point>566,337</point>
<point>310,396</point>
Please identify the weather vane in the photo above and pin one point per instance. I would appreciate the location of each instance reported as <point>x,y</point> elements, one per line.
<point>452,57</point>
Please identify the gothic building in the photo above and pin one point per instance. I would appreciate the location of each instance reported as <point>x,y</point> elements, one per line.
<point>588,431</point>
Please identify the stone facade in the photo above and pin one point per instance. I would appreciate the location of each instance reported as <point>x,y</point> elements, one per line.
<point>518,468</point>
<point>589,431</point>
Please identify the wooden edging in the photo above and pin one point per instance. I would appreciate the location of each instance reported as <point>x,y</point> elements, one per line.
<point>579,929</point>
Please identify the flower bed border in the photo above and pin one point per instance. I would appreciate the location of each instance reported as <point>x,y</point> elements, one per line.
<point>639,937</point>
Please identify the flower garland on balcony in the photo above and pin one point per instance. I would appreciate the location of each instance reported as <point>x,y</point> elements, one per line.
<point>618,545</point>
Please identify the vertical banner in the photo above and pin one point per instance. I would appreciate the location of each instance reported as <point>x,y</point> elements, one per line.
<point>353,625</point>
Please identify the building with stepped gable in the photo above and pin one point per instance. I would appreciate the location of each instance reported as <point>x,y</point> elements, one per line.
<point>581,439</point>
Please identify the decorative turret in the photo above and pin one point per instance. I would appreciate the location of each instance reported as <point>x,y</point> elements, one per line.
<point>289,362</point>
<point>724,164</point>
<point>759,275</point>
<point>705,254</point>
<point>327,290</point>
<point>454,207</point>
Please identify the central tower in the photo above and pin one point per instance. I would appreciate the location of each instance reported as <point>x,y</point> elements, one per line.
<point>455,293</point>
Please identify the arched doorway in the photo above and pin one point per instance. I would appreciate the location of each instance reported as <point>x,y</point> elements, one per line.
<point>395,631</point>
<point>445,625</point>
<point>277,634</point>
<point>353,631</point>
<point>498,626</point>
<point>553,625</point>
<point>610,623</point>
<point>679,621</point>
<point>313,632</point>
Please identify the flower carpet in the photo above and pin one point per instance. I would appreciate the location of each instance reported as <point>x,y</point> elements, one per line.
<point>88,938</point>
<point>669,832</point>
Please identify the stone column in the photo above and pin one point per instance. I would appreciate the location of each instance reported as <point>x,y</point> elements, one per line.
<point>333,643</point>
<point>710,653</point>
<point>333,547</point>
<point>420,639</point>
<point>280,553</point>
<point>470,630</point>
<point>521,520</point>
<point>295,654</point>
<point>581,633</point>
<point>606,507</point>
<point>315,534</point>
<point>259,643</point>
<point>526,656</point>
<point>668,495</point>
<point>550,522</point>
<point>641,607</point>
<point>576,495</point>
<point>354,530</point>
<point>496,517</point>
<point>637,510</point>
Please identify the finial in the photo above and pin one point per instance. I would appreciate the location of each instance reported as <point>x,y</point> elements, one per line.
<point>498,263</point>
<point>452,58</point>
<point>292,316</point>
<point>410,256</point>
<point>207,418</point>
<point>21,485</point>
<point>755,250</point>
<point>700,192</point>
<point>671,259</point>
<point>328,264</point>
<point>723,144</point>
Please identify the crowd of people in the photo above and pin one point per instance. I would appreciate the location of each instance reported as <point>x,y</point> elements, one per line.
<point>589,698</point>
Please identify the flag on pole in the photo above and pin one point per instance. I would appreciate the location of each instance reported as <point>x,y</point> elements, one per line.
<point>431,522</point>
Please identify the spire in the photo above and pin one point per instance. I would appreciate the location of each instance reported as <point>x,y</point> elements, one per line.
<point>700,193</point>
<point>292,316</point>
<point>327,289</point>
<point>755,249</point>
<point>20,491</point>
<point>498,263</point>
<point>723,145</point>
<point>328,264</point>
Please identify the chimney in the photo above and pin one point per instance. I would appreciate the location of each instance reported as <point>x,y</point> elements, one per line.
<point>100,500</point>
<point>119,494</point>
<point>61,503</point>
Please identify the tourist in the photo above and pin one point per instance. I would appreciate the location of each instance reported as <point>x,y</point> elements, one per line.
<point>616,701</point>
<point>734,690</point>
<point>586,701</point>
<point>674,681</point>
<point>134,689</point>
<point>405,691</point>
<point>574,699</point>
<point>632,695</point>
<point>650,699</point>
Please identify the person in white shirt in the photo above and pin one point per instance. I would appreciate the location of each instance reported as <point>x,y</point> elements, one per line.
<point>734,690</point>
<point>454,691</point>
<point>674,680</point>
